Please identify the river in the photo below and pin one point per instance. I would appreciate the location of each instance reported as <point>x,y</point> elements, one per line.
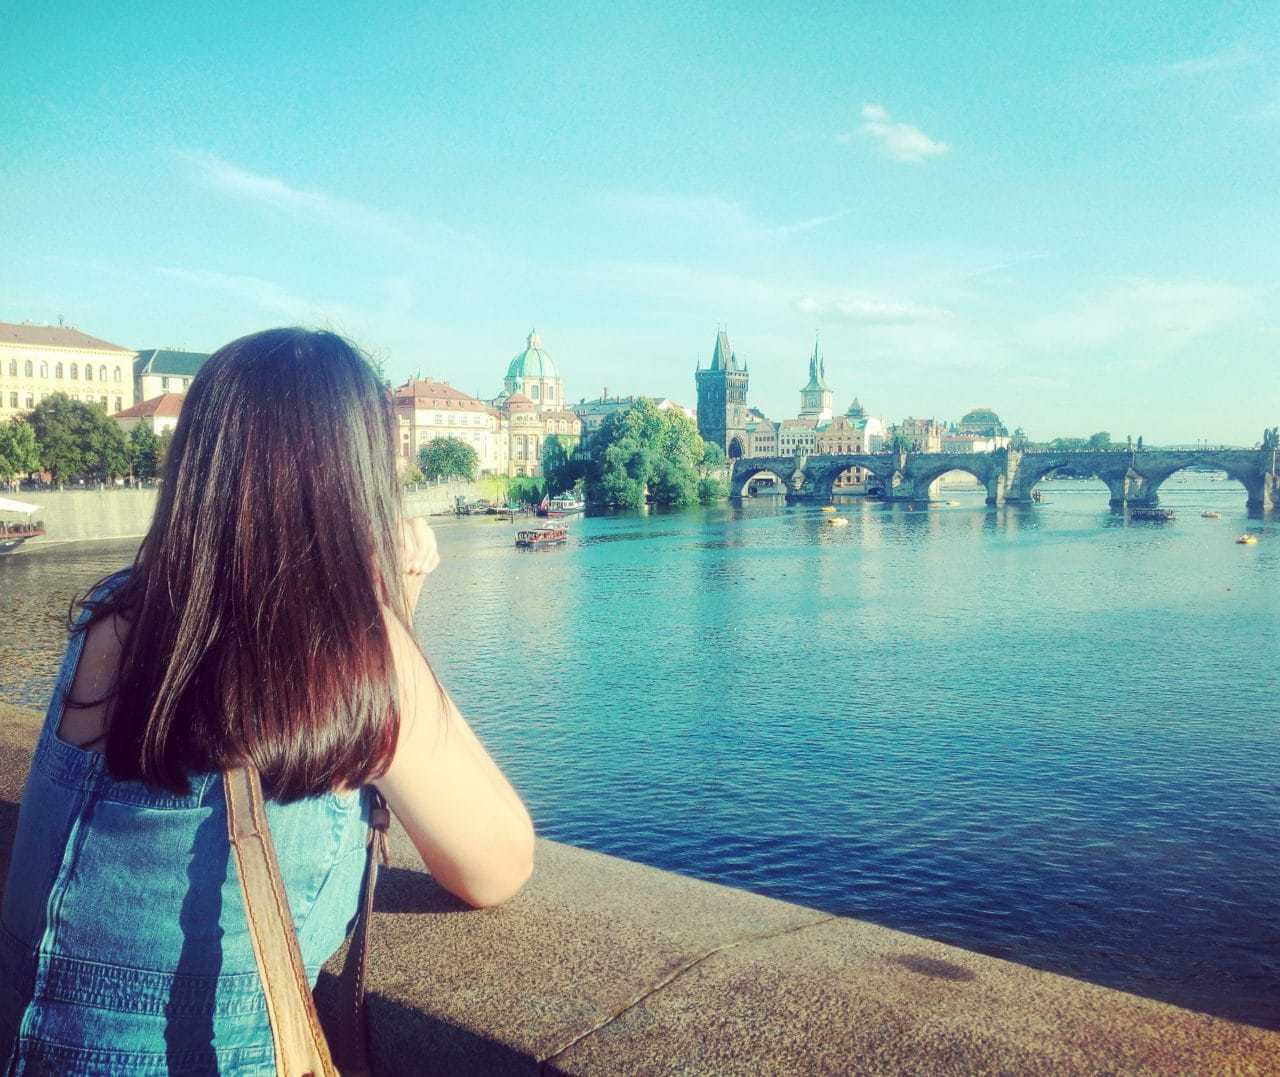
<point>1046,733</point>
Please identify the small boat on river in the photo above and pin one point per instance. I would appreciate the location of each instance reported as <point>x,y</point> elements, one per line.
<point>538,538</point>
<point>837,521</point>
<point>1247,540</point>
<point>1147,512</point>
<point>560,506</point>
<point>14,533</point>
<point>1212,515</point>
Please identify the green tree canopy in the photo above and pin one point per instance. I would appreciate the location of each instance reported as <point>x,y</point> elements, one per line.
<point>19,451</point>
<point>559,468</point>
<point>144,452</point>
<point>526,490</point>
<point>448,458</point>
<point>1100,440</point>
<point>643,453</point>
<point>78,440</point>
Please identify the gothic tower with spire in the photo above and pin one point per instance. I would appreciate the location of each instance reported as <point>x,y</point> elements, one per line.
<point>815,398</point>
<point>722,400</point>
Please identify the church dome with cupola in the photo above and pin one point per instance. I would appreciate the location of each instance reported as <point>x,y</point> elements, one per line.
<point>533,373</point>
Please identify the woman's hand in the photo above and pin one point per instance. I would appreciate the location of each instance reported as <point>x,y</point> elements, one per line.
<point>419,556</point>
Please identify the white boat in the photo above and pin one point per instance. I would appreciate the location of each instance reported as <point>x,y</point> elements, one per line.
<point>14,534</point>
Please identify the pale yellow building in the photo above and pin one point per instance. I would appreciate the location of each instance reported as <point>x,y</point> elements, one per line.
<point>532,409</point>
<point>427,409</point>
<point>37,361</point>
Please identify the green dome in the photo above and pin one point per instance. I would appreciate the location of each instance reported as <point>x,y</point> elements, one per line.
<point>533,362</point>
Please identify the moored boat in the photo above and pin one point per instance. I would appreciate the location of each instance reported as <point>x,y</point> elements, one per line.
<point>1212,515</point>
<point>560,506</point>
<point>1149,512</point>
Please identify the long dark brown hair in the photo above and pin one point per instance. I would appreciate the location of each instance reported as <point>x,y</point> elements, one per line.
<point>255,607</point>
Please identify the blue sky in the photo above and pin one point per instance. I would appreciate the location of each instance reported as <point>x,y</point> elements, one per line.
<point>1067,212</point>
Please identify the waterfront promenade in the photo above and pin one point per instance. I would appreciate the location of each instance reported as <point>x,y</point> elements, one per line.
<point>602,966</point>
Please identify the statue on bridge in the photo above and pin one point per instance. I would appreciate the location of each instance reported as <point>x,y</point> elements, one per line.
<point>1271,438</point>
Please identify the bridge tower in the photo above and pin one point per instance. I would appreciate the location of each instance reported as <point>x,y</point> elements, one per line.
<point>815,397</point>
<point>722,399</point>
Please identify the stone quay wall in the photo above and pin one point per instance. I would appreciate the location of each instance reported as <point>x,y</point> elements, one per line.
<point>84,515</point>
<point>601,966</point>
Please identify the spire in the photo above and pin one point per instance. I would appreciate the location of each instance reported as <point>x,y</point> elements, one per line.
<point>533,341</point>
<point>817,369</point>
<point>723,358</point>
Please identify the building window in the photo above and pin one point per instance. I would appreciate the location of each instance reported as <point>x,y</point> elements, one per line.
<point>164,384</point>
<point>119,405</point>
<point>13,400</point>
<point>103,401</point>
<point>57,371</point>
<point>102,373</point>
<point>44,370</point>
<point>13,370</point>
<point>534,390</point>
<point>31,401</point>
<point>88,372</point>
<point>117,373</point>
<point>75,372</point>
<point>26,368</point>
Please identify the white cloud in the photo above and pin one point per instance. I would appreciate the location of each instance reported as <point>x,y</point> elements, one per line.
<point>1223,60</point>
<point>730,220</point>
<point>869,310</point>
<point>1142,314</point>
<point>901,141</point>
<point>279,195</point>
<point>266,295</point>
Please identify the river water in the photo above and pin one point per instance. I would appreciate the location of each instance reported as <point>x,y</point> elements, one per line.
<point>1048,733</point>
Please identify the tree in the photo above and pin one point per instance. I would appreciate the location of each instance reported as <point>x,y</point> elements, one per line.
<point>77,439</point>
<point>144,452</point>
<point>162,453</point>
<point>448,458</point>
<point>712,455</point>
<point>1019,440</point>
<point>711,488</point>
<point>1100,440</point>
<point>642,453</point>
<point>411,475</point>
<point>19,451</point>
<point>559,468</point>
<point>526,490</point>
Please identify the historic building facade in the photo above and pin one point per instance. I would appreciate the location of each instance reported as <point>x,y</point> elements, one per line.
<point>160,413</point>
<point>427,409</point>
<point>37,361</point>
<point>162,370</point>
<point>532,408</point>
<point>722,399</point>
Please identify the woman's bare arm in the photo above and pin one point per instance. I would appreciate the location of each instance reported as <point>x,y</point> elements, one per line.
<point>465,819</point>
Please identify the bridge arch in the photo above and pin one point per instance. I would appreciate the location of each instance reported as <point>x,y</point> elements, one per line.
<point>824,477</point>
<point>736,449</point>
<point>1154,478</point>
<point>743,479</point>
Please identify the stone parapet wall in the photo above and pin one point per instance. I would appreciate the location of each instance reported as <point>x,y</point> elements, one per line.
<point>602,966</point>
<point>82,515</point>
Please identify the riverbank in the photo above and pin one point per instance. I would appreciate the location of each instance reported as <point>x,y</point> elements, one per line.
<point>83,515</point>
<point>604,966</point>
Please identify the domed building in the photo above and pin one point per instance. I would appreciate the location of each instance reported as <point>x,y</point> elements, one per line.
<point>983,422</point>
<point>532,408</point>
<point>533,374</point>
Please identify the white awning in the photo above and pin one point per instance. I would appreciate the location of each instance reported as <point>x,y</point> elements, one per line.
<point>24,507</point>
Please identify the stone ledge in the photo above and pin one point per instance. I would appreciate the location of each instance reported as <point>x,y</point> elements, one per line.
<point>602,966</point>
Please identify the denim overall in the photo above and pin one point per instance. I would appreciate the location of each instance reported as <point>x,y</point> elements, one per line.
<point>123,942</point>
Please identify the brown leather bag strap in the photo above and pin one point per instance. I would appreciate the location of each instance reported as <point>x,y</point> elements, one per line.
<point>295,1027</point>
<point>352,1045</point>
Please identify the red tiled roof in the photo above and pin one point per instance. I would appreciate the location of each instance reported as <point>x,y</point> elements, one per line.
<point>424,392</point>
<point>54,336</point>
<point>518,402</point>
<point>165,406</point>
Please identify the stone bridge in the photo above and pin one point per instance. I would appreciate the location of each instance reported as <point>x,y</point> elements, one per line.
<point>1009,475</point>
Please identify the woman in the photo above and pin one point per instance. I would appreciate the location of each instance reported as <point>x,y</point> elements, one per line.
<point>266,620</point>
